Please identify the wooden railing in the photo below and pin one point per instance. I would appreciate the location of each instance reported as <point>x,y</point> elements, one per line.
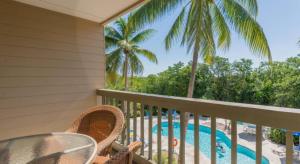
<point>285,118</point>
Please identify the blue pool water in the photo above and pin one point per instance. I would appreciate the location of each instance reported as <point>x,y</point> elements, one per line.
<point>244,156</point>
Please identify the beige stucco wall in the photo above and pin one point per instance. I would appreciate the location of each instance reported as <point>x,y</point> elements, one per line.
<point>50,67</point>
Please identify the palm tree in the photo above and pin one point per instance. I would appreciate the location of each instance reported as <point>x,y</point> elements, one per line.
<point>122,44</point>
<point>205,25</point>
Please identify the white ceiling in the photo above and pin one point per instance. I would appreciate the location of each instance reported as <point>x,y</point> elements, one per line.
<point>94,10</point>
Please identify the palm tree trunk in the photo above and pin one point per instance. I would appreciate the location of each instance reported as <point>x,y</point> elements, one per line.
<point>189,95</point>
<point>193,75</point>
<point>126,72</point>
<point>131,79</point>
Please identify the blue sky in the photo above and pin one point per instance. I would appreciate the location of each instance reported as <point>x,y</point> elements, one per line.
<point>280,20</point>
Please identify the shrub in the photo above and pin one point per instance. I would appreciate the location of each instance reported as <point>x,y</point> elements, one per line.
<point>278,136</point>
<point>164,158</point>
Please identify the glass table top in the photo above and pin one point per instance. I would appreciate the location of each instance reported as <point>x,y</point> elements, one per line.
<point>48,149</point>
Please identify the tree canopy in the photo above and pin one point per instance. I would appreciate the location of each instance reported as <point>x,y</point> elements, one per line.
<point>277,84</point>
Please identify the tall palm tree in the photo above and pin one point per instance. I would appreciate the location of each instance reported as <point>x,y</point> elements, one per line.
<point>205,25</point>
<point>122,44</point>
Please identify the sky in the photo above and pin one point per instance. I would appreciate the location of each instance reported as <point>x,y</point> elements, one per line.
<point>280,20</point>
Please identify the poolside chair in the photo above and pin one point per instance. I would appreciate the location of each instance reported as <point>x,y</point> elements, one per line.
<point>124,156</point>
<point>249,128</point>
<point>104,123</point>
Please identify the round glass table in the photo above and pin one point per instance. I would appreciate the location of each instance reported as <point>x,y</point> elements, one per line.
<point>50,148</point>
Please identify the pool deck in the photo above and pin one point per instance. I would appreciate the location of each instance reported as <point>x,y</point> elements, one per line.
<point>244,139</point>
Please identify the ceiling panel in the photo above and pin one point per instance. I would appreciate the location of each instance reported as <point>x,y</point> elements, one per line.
<point>94,10</point>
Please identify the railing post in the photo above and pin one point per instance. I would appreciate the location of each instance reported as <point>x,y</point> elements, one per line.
<point>103,100</point>
<point>159,135</point>
<point>258,144</point>
<point>289,147</point>
<point>128,121</point>
<point>213,140</point>
<point>150,132</point>
<point>196,138</point>
<point>233,142</point>
<point>182,137</point>
<point>134,121</point>
<point>170,137</point>
<point>123,131</point>
<point>142,129</point>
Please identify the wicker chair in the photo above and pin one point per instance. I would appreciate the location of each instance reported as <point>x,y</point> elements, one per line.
<point>122,157</point>
<point>104,123</point>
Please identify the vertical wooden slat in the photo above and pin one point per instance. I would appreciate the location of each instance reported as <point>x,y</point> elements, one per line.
<point>196,138</point>
<point>182,137</point>
<point>233,142</point>
<point>159,135</point>
<point>103,100</point>
<point>142,129</point>
<point>258,144</point>
<point>111,102</point>
<point>123,131</point>
<point>128,122</point>
<point>170,136</point>
<point>134,121</point>
<point>289,147</point>
<point>150,132</point>
<point>213,140</point>
<point>107,100</point>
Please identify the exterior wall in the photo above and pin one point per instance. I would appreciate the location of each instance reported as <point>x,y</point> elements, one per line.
<point>50,67</point>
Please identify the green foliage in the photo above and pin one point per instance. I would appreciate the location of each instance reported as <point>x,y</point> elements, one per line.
<point>123,51</point>
<point>277,84</point>
<point>205,25</point>
<point>277,136</point>
<point>164,158</point>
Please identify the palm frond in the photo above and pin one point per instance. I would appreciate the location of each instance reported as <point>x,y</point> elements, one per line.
<point>111,42</point>
<point>121,26</point>
<point>142,36</point>
<point>250,5</point>
<point>220,27</point>
<point>174,32</point>
<point>247,27</point>
<point>136,65</point>
<point>147,54</point>
<point>114,60</point>
<point>112,32</point>
<point>153,10</point>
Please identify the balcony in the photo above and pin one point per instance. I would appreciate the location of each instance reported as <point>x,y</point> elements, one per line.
<point>52,60</point>
<point>146,110</point>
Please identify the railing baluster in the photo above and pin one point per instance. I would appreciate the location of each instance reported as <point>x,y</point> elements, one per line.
<point>182,137</point>
<point>103,100</point>
<point>289,147</point>
<point>107,100</point>
<point>134,121</point>
<point>258,144</point>
<point>213,140</point>
<point>159,134</point>
<point>170,137</point>
<point>111,102</point>
<point>196,138</point>
<point>233,142</point>
<point>123,131</point>
<point>128,121</point>
<point>142,129</point>
<point>150,132</point>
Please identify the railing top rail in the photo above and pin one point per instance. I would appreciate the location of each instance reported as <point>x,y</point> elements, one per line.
<point>279,117</point>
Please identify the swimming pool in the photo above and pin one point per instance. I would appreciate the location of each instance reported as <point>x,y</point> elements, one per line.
<point>244,154</point>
